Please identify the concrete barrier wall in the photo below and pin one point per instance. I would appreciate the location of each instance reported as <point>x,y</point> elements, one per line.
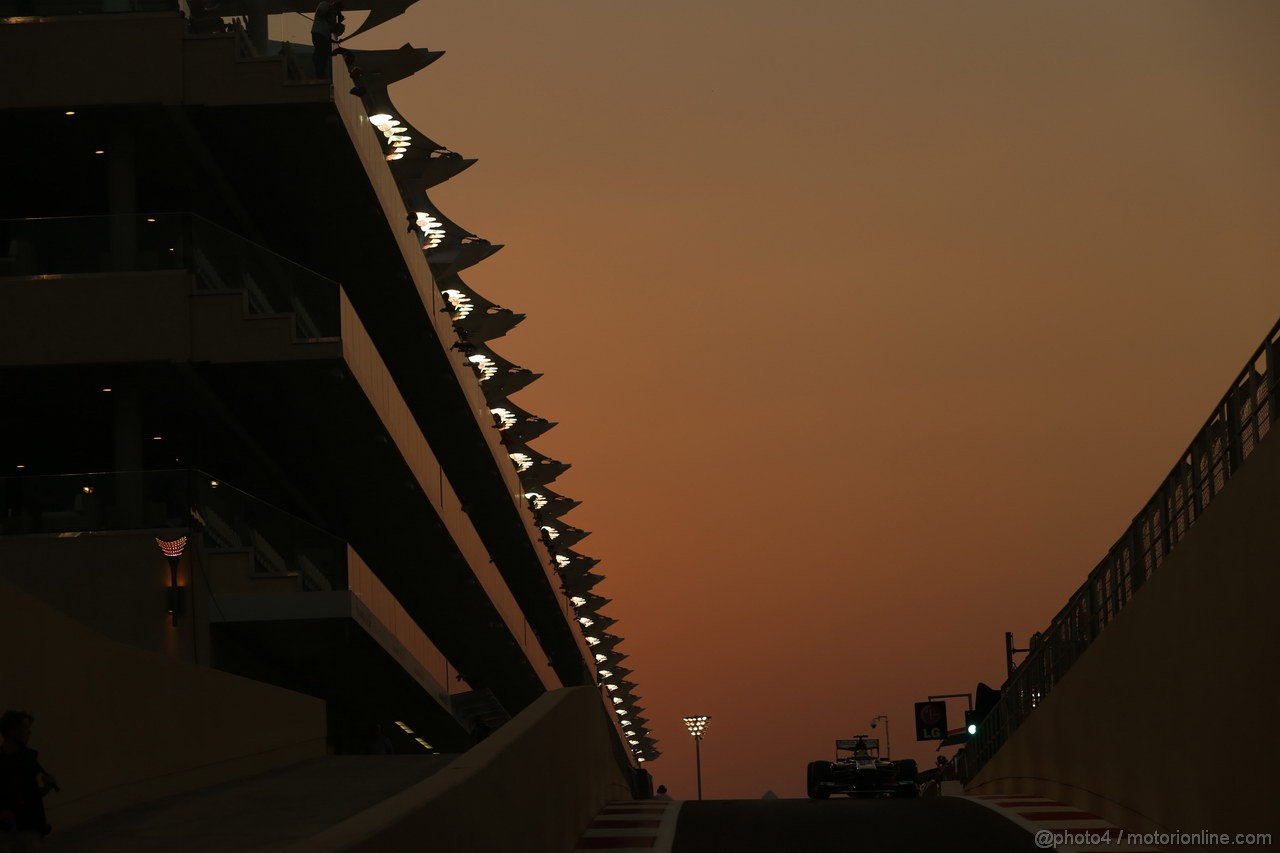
<point>118,725</point>
<point>114,585</point>
<point>532,786</point>
<point>139,59</point>
<point>1165,723</point>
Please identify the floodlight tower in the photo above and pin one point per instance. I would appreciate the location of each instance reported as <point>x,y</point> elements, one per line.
<point>697,725</point>
<point>887,745</point>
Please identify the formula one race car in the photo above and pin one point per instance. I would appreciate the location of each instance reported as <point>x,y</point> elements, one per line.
<point>862,773</point>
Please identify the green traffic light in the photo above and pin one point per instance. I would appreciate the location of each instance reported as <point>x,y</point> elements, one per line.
<point>973,728</point>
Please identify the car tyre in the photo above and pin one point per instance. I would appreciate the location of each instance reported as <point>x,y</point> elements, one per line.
<point>906,770</point>
<point>817,773</point>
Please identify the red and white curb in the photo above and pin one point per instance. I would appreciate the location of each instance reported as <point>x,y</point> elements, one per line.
<point>632,826</point>
<point>1061,827</point>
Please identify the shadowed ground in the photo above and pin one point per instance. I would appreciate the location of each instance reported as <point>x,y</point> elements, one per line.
<point>935,825</point>
<point>261,813</point>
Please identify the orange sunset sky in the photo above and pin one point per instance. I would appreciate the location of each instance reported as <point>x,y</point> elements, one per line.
<point>869,325</point>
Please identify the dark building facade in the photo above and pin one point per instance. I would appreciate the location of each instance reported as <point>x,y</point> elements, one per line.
<point>251,416</point>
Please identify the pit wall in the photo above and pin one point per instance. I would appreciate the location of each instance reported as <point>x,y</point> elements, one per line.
<point>1165,722</point>
<point>533,786</point>
<point>118,725</point>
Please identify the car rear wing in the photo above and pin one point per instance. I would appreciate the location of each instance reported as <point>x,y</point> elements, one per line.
<point>871,744</point>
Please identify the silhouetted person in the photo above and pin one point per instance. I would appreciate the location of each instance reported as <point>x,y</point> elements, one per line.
<point>323,28</point>
<point>662,793</point>
<point>860,747</point>
<point>934,786</point>
<point>23,784</point>
<point>464,342</point>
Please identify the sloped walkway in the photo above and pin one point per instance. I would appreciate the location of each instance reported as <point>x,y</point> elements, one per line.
<point>262,813</point>
<point>1063,827</point>
<point>631,826</point>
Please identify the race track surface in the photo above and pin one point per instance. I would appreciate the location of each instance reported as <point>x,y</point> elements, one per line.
<point>840,825</point>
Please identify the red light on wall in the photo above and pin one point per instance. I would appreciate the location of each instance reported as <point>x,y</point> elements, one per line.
<point>173,548</point>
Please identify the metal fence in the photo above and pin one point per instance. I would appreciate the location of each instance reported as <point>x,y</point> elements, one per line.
<point>1237,424</point>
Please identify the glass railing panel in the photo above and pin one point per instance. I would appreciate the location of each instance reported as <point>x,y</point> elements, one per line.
<point>220,260</point>
<point>57,8</point>
<point>84,503</point>
<point>272,284</point>
<point>223,517</point>
<point>282,544</point>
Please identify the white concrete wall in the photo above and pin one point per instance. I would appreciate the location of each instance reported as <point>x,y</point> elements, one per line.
<point>1166,722</point>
